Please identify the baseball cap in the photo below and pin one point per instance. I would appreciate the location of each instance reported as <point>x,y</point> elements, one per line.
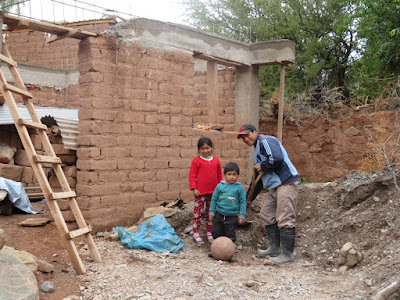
<point>245,129</point>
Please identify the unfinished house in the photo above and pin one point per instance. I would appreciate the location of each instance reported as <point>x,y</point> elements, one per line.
<point>144,92</point>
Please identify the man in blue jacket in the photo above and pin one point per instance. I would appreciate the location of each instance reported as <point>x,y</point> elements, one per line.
<point>278,211</point>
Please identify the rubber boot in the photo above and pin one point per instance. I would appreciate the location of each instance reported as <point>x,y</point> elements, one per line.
<point>288,236</point>
<point>274,242</point>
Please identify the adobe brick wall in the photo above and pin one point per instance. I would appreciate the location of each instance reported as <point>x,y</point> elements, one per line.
<point>61,54</point>
<point>136,139</point>
<point>54,96</point>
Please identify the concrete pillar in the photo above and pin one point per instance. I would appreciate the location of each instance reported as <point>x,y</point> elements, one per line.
<point>246,103</point>
<point>246,96</point>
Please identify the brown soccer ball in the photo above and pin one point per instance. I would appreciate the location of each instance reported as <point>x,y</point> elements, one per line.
<point>223,248</point>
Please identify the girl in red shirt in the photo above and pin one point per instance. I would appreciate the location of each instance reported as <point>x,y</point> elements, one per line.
<point>205,174</point>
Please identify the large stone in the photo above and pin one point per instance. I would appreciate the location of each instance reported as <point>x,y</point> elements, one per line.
<point>44,266</point>
<point>16,280</point>
<point>25,257</point>
<point>349,255</point>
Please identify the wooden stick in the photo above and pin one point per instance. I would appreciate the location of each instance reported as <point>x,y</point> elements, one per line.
<point>281,102</point>
<point>254,183</point>
<point>387,291</point>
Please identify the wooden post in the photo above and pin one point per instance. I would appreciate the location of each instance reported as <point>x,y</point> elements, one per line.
<point>212,92</point>
<point>281,99</point>
<point>1,31</point>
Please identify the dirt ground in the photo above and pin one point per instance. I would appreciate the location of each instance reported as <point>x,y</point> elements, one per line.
<point>358,208</point>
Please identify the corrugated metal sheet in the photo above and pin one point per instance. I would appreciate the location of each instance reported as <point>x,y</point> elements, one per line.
<point>66,118</point>
<point>69,132</point>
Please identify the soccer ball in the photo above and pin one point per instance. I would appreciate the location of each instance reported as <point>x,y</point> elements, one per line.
<point>222,248</point>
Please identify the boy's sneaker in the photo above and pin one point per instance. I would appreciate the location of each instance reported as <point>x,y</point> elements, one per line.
<point>210,237</point>
<point>197,239</point>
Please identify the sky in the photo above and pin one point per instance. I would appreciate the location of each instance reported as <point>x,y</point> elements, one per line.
<point>80,10</point>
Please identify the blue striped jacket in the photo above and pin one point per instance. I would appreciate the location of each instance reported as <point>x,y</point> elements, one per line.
<point>275,163</point>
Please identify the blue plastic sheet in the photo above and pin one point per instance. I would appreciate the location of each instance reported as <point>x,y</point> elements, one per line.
<point>153,234</point>
<point>17,195</point>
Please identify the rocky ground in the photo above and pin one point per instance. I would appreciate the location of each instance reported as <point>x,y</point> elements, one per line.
<point>358,208</point>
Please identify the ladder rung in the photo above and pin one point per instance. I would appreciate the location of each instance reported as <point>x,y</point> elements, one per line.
<point>62,195</point>
<point>7,60</point>
<point>32,124</point>
<point>46,159</point>
<point>75,233</point>
<point>17,90</point>
<point>35,195</point>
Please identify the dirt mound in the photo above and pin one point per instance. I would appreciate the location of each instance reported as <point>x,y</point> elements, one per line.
<point>359,208</point>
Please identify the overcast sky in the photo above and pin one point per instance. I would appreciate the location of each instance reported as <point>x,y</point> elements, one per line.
<point>80,10</point>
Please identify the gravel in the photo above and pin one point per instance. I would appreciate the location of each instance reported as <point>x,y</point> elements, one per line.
<point>192,274</point>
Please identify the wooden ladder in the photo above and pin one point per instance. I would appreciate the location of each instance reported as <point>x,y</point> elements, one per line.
<point>7,90</point>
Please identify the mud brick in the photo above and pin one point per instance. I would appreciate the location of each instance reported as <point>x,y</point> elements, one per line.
<point>157,163</point>
<point>168,196</point>
<point>12,172</point>
<point>167,175</point>
<point>155,187</point>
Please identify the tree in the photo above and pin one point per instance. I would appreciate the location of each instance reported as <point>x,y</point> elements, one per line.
<point>379,29</point>
<point>323,33</point>
<point>9,5</point>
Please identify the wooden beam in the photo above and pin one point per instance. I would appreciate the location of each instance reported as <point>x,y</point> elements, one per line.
<point>281,102</point>
<point>219,61</point>
<point>212,92</point>
<point>17,23</point>
<point>61,36</point>
<point>276,62</point>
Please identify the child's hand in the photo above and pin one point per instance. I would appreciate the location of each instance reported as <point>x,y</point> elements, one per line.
<point>211,218</point>
<point>196,192</point>
<point>241,221</point>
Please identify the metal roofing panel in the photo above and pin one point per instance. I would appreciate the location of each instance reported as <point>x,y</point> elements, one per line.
<point>66,118</point>
<point>65,113</point>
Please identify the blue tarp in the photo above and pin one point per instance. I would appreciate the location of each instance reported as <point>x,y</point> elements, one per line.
<point>17,195</point>
<point>153,234</point>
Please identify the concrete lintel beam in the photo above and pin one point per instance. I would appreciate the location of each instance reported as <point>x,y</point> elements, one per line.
<point>273,52</point>
<point>174,37</point>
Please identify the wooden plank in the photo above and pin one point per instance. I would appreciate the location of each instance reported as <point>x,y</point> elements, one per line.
<point>276,62</point>
<point>17,90</point>
<point>8,60</point>
<point>62,195</point>
<point>17,23</point>
<point>46,159</point>
<point>281,102</point>
<point>32,124</point>
<point>220,61</point>
<point>62,36</point>
<point>212,92</point>
<point>75,233</point>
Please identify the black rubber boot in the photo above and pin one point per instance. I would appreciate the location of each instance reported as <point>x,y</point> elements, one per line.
<point>274,242</point>
<point>288,236</point>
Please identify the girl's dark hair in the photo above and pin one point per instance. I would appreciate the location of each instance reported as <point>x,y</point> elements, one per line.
<point>204,140</point>
<point>231,167</point>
